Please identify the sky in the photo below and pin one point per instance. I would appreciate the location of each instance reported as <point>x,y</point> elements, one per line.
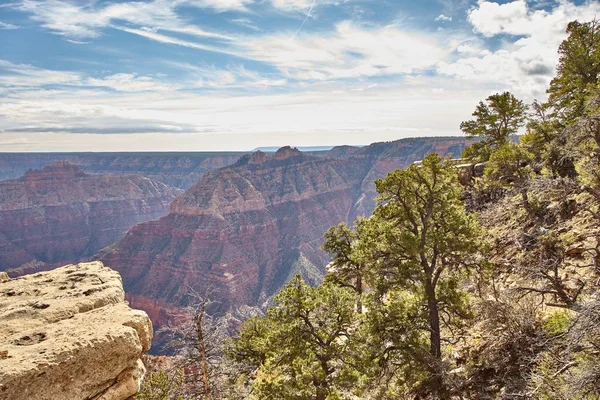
<point>209,75</point>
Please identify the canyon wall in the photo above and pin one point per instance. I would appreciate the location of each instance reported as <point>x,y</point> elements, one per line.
<point>62,214</point>
<point>244,230</point>
<point>177,169</point>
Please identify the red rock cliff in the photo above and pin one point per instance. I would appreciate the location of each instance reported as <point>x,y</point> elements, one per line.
<point>246,229</point>
<point>60,214</point>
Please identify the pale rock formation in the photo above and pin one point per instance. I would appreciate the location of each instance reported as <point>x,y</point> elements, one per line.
<point>69,334</point>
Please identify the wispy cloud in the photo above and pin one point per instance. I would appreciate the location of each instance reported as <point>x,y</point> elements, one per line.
<point>219,5</point>
<point>233,76</point>
<point>7,26</point>
<point>239,74</point>
<point>87,21</point>
<point>129,83</point>
<point>77,41</point>
<point>245,22</point>
<point>236,121</point>
<point>443,18</point>
<point>31,76</point>
<point>304,5</point>
<point>350,51</point>
<point>158,37</point>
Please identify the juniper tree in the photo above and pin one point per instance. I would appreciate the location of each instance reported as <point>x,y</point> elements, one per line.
<point>303,348</point>
<point>417,245</point>
<point>578,70</point>
<point>500,116</point>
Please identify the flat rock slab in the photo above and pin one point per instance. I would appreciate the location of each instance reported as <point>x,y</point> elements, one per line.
<point>69,334</point>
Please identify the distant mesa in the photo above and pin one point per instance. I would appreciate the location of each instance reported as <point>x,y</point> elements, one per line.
<point>283,154</point>
<point>176,169</point>
<point>305,149</point>
<point>60,170</point>
<point>287,152</point>
<point>342,151</point>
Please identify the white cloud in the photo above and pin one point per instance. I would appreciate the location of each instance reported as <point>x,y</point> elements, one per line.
<point>77,120</point>
<point>233,76</point>
<point>29,77</point>
<point>26,75</point>
<point>323,91</point>
<point>443,18</point>
<point>469,49</point>
<point>77,41</point>
<point>490,18</point>
<point>7,26</point>
<point>527,63</point>
<point>85,21</point>
<point>220,5</point>
<point>518,18</point>
<point>128,83</point>
<point>245,22</point>
<point>349,51</point>
<point>150,34</point>
<point>295,5</point>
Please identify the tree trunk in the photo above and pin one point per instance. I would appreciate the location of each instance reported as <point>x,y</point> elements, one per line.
<point>359,306</point>
<point>435,349</point>
<point>321,384</point>
<point>203,359</point>
<point>321,392</point>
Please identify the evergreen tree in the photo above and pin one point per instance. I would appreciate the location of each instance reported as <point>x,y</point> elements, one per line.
<point>303,348</point>
<point>577,72</point>
<point>347,267</point>
<point>495,120</point>
<point>417,245</point>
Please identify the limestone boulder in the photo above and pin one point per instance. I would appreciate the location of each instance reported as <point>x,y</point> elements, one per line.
<point>69,334</point>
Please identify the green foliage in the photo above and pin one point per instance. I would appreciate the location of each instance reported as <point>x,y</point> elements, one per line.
<point>557,323</point>
<point>495,120</point>
<point>509,164</point>
<point>347,265</point>
<point>544,142</point>
<point>418,246</point>
<point>160,385</point>
<point>578,70</point>
<point>300,348</point>
<point>584,141</point>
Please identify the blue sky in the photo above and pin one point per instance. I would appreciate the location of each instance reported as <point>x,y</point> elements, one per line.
<point>99,75</point>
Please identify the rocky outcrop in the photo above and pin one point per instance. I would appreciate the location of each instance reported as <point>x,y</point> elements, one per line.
<point>61,214</point>
<point>245,230</point>
<point>176,169</point>
<point>67,334</point>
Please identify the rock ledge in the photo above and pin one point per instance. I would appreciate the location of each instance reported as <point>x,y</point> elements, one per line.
<point>69,334</point>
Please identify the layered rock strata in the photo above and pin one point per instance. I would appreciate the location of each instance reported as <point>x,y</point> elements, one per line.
<point>176,169</point>
<point>245,230</point>
<point>62,214</point>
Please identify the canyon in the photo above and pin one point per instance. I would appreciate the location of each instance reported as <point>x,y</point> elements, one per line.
<point>246,229</point>
<point>60,214</point>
